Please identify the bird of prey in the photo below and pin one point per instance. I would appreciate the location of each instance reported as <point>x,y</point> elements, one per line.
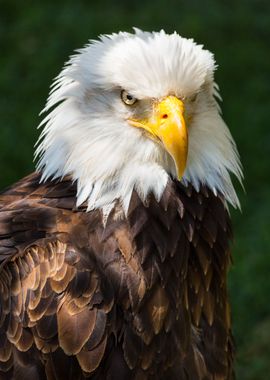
<point>114,253</point>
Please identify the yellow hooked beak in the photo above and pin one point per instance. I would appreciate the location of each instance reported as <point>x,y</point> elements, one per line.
<point>167,125</point>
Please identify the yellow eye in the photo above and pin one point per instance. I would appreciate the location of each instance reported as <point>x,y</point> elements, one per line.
<point>128,98</point>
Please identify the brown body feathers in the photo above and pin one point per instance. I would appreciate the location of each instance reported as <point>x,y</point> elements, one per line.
<point>143,297</point>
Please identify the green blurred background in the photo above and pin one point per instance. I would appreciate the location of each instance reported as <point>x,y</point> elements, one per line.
<point>37,37</point>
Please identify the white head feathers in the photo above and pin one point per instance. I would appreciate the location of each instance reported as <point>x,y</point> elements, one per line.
<point>87,136</point>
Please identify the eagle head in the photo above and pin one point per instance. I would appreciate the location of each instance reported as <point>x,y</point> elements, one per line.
<point>128,112</point>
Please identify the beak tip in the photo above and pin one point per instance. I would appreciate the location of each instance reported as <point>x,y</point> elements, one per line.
<point>179,177</point>
<point>179,171</point>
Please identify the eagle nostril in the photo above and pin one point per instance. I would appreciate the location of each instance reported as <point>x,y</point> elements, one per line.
<point>164,116</point>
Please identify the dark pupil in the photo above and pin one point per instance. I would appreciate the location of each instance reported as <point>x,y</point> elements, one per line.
<point>129,97</point>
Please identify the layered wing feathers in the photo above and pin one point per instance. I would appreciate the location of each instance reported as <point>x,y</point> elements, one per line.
<point>143,297</point>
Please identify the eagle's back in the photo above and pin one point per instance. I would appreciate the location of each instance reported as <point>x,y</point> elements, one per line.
<point>139,297</point>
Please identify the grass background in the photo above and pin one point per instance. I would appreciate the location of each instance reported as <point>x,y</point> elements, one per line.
<point>37,37</point>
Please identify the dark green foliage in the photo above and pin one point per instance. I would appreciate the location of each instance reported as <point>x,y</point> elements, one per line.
<point>37,37</point>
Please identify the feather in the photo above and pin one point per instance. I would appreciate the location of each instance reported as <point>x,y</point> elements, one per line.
<point>74,329</point>
<point>90,360</point>
<point>120,298</point>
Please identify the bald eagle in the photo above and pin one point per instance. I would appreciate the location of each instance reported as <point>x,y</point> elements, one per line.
<point>114,253</point>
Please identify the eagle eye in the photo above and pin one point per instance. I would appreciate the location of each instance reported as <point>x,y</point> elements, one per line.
<point>128,98</point>
<point>193,98</point>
